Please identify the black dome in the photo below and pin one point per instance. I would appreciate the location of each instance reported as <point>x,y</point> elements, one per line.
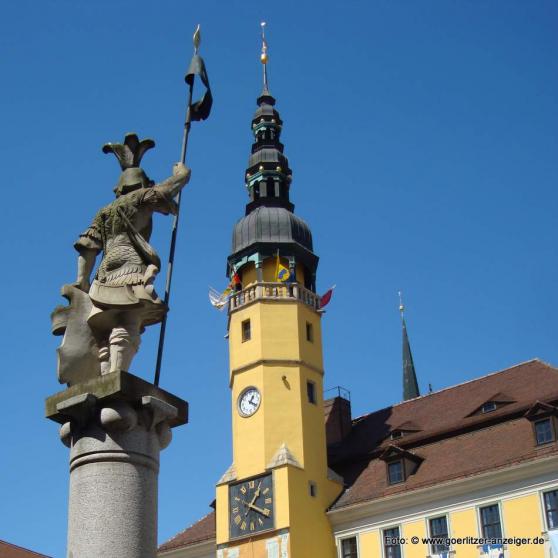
<point>275,225</point>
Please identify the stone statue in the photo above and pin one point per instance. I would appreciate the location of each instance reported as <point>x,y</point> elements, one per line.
<point>122,299</point>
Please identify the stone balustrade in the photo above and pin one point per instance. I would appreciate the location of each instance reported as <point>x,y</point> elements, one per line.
<point>274,292</point>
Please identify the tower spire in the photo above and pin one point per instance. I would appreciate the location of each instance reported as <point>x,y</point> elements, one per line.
<point>270,228</point>
<point>410,384</point>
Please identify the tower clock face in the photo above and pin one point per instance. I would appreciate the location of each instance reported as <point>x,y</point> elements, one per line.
<point>251,506</point>
<point>249,401</point>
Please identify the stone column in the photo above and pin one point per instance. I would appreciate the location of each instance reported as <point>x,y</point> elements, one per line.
<point>115,427</point>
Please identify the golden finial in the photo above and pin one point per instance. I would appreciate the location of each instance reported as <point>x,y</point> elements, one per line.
<point>197,39</point>
<point>401,307</point>
<point>263,56</point>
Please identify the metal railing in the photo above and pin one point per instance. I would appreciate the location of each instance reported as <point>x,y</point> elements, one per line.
<point>274,291</point>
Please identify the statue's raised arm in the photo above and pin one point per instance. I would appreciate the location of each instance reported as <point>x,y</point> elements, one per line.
<point>122,297</point>
<point>172,185</point>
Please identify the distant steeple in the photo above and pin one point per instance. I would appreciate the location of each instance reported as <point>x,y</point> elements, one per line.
<point>410,384</point>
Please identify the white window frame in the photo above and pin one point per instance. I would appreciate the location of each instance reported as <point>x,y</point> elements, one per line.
<point>392,526</point>
<point>429,534</point>
<point>544,521</point>
<point>345,537</point>
<point>479,518</point>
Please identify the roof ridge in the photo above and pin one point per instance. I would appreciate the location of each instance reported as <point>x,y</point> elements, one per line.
<point>535,359</point>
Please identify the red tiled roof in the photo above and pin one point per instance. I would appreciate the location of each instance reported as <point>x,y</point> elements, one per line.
<point>451,443</point>
<point>491,448</point>
<point>448,410</point>
<point>8,550</point>
<point>202,530</point>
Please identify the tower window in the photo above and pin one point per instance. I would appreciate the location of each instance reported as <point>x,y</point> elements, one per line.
<point>396,472</point>
<point>312,489</point>
<point>270,188</point>
<point>309,332</point>
<point>544,431</point>
<point>246,331</point>
<point>349,548</point>
<point>311,391</point>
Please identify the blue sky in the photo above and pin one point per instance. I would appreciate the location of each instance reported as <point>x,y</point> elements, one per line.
<point>423,140</point>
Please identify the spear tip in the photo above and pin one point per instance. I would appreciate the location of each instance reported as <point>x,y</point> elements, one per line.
<point>196,39</point>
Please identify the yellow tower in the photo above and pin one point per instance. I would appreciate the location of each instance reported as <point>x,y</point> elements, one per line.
<point>272,501</point>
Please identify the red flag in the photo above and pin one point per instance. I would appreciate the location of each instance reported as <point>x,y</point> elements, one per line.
<point>326,297</point>
<point>235,279</point>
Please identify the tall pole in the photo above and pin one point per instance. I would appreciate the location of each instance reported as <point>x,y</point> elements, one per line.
<point>187,125</point>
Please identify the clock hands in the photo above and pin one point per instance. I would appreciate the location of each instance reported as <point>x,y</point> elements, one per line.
<point>265,512</point>
<point>256,495</point>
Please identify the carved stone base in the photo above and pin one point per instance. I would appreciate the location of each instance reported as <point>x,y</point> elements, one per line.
<point>115,427</point>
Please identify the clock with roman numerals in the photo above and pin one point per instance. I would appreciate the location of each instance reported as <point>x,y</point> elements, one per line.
<point>251,506</point>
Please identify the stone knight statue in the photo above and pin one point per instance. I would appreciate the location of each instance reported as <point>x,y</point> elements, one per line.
<point>121,301</point>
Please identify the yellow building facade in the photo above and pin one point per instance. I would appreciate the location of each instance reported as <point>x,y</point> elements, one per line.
<point>519,494</point>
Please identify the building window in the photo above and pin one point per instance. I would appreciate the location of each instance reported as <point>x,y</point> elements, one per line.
<point>349,548</point>
<point>551,509</point>
<point>246,331</point>
<point>311,391</point>
<point>396,434</point>
<point>392,548</point>
<point>312,489</point>
<point>490,522</point>
<point>488,407</point>
<point>544,431</point>
<point>309,332</point>
<point>439,529</point>
<point>396,472</point>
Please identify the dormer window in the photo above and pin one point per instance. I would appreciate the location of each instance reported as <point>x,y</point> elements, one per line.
<point>544,431</point>
<point>543,417</point>
<point>489,406</point>
<point>400,464</point>
<point>400,429</point>
<point>494,403</point>
<point>396,472</point>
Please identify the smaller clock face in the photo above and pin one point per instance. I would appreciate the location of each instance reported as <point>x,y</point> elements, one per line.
<point>249,401</point>
<point>251,506</point>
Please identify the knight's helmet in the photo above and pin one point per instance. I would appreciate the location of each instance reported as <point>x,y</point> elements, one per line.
<point>129,155</point>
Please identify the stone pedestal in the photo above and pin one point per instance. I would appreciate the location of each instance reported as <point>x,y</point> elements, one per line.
<point>115,426</point>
